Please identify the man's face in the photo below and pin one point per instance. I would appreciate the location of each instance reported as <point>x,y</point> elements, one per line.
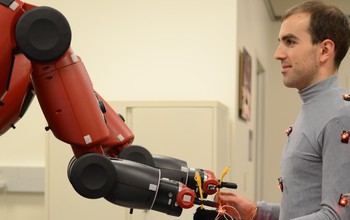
<point>299,57</point>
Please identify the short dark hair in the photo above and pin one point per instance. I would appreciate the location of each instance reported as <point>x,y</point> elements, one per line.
<point>326,22</point>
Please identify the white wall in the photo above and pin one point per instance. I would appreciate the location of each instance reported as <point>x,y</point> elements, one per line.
<point>23,147</point>
<point>255,33</point>
<point>158,49</point>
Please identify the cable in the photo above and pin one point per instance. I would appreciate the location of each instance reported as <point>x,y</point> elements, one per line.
<point>224,173</point>
<point>223,212</point>
<point>197,177</point>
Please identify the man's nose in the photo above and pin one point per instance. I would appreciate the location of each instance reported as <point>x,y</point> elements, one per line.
<point>279,54</point>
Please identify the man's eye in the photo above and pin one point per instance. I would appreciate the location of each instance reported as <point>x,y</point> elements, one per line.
<point>289,42</point>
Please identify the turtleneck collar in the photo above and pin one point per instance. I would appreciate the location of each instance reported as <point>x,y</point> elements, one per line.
<point>315,90</point>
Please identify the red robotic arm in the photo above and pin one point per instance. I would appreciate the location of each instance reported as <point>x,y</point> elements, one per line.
<point>36,59</point>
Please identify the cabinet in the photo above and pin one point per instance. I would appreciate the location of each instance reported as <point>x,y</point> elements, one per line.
<point>193,131</point>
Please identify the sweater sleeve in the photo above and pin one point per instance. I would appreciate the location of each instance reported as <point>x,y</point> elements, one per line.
<point>268,211</point>
<point>335,170</point>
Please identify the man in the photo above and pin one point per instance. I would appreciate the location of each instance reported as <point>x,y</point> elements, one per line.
<point>314,38</point>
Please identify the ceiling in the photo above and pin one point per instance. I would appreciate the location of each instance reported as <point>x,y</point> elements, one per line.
<point>276,8</point>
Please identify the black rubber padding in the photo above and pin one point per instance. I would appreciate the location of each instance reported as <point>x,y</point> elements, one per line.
<point>204,214</point>
<point>6,3</point>
<point>43,34</point>
<point>92,175</point>
<point>137,154</point>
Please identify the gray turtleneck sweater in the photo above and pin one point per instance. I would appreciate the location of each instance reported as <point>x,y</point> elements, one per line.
<point>315,160</point>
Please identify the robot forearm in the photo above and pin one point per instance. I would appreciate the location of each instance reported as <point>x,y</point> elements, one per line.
<point>128,184</point>
<point>66,94</point>
<point>163,183</point>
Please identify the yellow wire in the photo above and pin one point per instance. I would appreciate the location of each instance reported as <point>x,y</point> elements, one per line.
<point>223,174</point>
<point>197,177</point>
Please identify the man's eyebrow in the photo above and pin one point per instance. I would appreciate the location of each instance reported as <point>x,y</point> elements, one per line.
<point>288,37</point>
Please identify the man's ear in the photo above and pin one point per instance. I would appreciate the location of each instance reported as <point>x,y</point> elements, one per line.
<point>327,50</point>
